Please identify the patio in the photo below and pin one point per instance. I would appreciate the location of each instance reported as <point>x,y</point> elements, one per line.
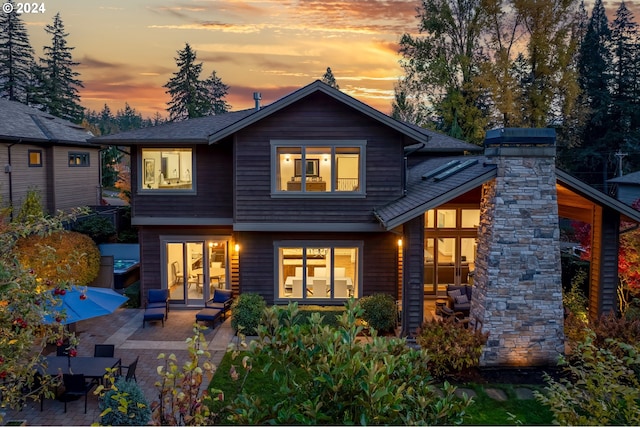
<point>124,329</point>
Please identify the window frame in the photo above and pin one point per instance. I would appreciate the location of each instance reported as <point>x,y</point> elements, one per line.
<point>305,145</point>
<point>84,156</point>
<point>30,163</point>
<point>332,245</point>
<point>141,162</point>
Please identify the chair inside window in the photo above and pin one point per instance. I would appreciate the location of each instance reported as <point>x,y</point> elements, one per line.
<point>131,370</point>
<point>158,298</point>
<point>176,274</point>
<point>75,385</point>
<point>104,350</point>
<point>341,289</point>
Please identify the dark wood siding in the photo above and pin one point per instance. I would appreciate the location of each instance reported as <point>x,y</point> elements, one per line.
<point>317,117</point>
<point>258,260</point>
<point>608,300</point>
<point>214,187</point>
<point>413,288</point>
<point>150,253</point>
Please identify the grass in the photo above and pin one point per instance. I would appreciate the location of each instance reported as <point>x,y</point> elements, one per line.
<point>484,411</point>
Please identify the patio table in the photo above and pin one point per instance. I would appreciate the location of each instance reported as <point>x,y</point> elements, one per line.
<point>91,367</point>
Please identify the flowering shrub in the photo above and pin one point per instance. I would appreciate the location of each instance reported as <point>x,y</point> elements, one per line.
<point>61,257</point>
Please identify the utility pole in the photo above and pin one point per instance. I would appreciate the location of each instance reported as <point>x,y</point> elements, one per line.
<point>620,155</point>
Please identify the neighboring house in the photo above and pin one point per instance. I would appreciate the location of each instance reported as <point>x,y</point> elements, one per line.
<point>49,154</point>
<point>319,197</point>
<point>628,187</point>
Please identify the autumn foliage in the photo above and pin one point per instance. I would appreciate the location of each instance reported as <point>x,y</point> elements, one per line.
<point>61,257</point>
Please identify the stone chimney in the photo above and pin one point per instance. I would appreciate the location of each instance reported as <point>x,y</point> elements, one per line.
<point>518,286</point>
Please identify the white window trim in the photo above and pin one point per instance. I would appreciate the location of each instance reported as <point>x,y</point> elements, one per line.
<point>332,144</point>
<point>277,245</point>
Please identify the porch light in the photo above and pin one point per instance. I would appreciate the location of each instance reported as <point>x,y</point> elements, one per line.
<point>399,243</point>
<point>237,247</point>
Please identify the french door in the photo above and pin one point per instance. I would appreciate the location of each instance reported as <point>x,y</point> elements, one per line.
<point>195,268</point>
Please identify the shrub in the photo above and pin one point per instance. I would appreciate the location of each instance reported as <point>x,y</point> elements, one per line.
<point>124,404</point>
<point>601,389</point>
<point>99,228</point>
<point>344,380</point>
<point>133,292</point>
<point>451,347</point>
<point>574,299</point>
<point>611,327</point>
<point>62,257</point>
<point>379,311</point>
<point>246,313</point>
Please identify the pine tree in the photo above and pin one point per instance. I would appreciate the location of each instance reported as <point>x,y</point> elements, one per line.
<point>16,57</point>
<point>217,91</point>
<point>189,96</point>
<point>57,84</point>
<point>329,79</point>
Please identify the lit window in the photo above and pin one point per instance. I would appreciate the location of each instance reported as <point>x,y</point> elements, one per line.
<point>317,271</point>
<point>166,169</point>
<point>35,158</point>
<point>78,159</point>
<point>319,168</point>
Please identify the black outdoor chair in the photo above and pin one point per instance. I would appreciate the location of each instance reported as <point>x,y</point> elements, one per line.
<point>159,298</point>
<point>62,350</point>
<point>104,350</point>
<point>131,370</point>
<point>75,385</point>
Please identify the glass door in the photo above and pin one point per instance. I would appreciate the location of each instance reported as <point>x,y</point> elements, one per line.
<point>193,273</point>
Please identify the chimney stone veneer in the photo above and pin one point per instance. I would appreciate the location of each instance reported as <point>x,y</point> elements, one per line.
<point>518,287</point>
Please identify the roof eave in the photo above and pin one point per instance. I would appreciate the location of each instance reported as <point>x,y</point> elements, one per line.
<point>307,90</point>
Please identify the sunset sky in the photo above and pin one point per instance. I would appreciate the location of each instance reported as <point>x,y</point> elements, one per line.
<point>126,48</point>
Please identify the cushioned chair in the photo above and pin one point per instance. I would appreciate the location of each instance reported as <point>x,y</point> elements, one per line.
<point>459,298</point>
<point>222,299</point>
<point>158,298</point>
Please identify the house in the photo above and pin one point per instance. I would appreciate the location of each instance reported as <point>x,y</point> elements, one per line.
<point>628,187</point>
<point>318,197</point>
<point>49,154</point>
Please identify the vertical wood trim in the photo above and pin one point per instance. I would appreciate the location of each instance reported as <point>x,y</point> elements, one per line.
<point>595,270</point>
<point>412,280</point>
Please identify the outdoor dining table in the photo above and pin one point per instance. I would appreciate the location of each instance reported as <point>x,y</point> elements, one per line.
<point>91,367</point>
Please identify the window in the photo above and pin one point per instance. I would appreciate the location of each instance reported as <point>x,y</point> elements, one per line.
<point>326,271</point>
<point>319,167</point>
<point>78,159</point>
<point>35,158</point>
<point>166,169</point>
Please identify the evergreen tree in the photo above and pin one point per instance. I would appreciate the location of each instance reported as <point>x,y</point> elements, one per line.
<point>16,57</point>
<point>329,79</point>
<point>189,96</point>
<point>590,159</point>
<point>217,91</point>
<point>128,118</point>
<point>57,86</point>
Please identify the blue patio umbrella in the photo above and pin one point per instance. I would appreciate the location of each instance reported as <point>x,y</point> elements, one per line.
<point>96,302</point>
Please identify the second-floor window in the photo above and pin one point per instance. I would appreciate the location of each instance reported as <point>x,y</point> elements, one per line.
<point>77,159</point>
<point>166,169</point>
<point>35,158</point>
<point>318,167</point>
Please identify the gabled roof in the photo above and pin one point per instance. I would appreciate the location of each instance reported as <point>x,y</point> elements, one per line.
<point>19,122</point>
<point>213,129</point>
<point>630,178</point>
<point>439,180</point>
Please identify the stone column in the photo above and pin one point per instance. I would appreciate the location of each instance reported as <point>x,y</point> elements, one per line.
<point>518,286</point>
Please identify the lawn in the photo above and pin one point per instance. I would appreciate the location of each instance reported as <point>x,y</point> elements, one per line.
<point>485,410</point>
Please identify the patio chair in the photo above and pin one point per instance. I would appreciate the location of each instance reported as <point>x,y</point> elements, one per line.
<point>104,350</point>
<point>158,298</point>
<point>62,350</point>
<point>131,370</point>
<point>75,385</point>
<point>221,300</point>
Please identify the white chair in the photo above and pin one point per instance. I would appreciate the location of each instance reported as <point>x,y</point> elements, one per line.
<point>320,284</point>
<point>339,272</point>
<point>340,288</point>
<point>296,291</point>
<point>320,272</point>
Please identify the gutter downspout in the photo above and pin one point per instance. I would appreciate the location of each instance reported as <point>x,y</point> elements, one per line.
<point>7,170</point>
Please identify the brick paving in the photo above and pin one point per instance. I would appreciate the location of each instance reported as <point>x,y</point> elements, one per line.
<point>119,328</point>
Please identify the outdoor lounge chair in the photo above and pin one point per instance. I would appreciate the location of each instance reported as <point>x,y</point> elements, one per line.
<point>221,300</point>
<point>158,298</point>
